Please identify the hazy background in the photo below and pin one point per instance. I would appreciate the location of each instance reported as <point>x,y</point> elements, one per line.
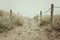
<point>28,8</point>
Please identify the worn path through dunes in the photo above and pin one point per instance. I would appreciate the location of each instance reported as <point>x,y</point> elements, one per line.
<point>29,31</point>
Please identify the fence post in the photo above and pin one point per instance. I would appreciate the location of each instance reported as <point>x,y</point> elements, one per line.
<point>11,14</point>
<point>52,9</point>
<point>40,16</point>
<point>37,17</point>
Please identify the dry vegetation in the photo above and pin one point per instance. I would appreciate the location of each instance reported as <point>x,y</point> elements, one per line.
<point>53,33</point>
<point>41,28</point>
<point>7,24</point>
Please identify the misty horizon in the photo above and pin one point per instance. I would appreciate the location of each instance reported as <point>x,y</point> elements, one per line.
<point>29,8</point>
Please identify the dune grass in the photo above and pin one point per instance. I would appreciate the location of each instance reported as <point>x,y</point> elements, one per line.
<point>54,31</point>
<point>7,24</point>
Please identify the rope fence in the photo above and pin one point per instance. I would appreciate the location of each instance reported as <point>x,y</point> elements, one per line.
<point>56,7</point>
<point>50,9</point>
<point>47,11</point>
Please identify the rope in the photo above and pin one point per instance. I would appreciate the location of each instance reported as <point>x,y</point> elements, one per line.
<point>56,7</point>
<point>47,10</point>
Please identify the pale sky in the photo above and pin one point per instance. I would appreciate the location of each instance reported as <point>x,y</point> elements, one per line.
<point>28,8</point>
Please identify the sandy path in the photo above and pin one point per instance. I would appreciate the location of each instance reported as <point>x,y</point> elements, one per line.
<point>29,31</point>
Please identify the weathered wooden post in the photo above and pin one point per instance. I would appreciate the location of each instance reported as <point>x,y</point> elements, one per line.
<point>37,17</point>
<point>52,10</point>
<point>11,14</point>
<point>40,16</point>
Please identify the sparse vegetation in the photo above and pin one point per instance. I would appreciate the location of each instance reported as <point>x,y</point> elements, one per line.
<point>7,24</point>
<point>56,23</point>
<point>52,33</point>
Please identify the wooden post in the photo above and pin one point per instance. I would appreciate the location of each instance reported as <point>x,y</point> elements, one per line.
<point>37,17</point>
<point>40,16</point>
<point>11,14</point>
<point>52,9</point>
<point>18,14</point>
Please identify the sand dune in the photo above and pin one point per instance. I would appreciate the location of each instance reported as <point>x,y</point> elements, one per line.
<point>23,28</point>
